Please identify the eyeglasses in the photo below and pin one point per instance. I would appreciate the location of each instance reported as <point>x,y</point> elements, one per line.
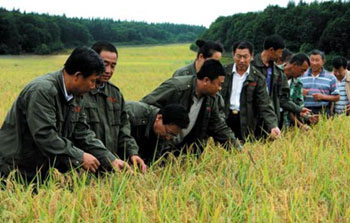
<point>169,133</point>
<point>246,56</point>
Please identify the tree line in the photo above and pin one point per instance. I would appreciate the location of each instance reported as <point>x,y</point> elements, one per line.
<point>324,26</point>
<point>43,34</point>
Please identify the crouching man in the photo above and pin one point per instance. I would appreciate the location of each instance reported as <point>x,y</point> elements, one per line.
<point>154,128</point>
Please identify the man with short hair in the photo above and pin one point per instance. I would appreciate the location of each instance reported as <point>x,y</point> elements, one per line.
<point>46,126</point>
<point>105,109</point>
<point>320,87</point>
<point>198,95</point>
<point>276,80</point>
<point>206,50</point>
<point>294,68</point>
<point>245,95</point>
<point>343,81</point>
<point>153,128</point>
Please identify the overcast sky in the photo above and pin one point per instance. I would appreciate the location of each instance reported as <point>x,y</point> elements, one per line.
<point>193,12</point>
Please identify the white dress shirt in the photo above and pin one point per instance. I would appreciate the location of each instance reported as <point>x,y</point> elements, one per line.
<point>237,84</point>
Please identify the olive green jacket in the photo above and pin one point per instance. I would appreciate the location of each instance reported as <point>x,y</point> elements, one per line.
<point>186,70</point>
<point>280,91</point>
<point>142,117</point>
<point>209,122</point>
<point>106,115</point>
<point>190,70</point>
<point>254,101</point>
<point>42,125</point>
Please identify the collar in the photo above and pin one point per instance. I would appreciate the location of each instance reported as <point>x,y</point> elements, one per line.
<point>149,128</point>
<point>193,68</point>
<point>259,63</point>
<point>234,70</point>
<point>101,89</point>
<point>321,74</point>
<point>194,88</point>
<point>68,97</point>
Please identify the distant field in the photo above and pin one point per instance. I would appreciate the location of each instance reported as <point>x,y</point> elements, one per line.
<point>304,177</point>
<point>139,70</point>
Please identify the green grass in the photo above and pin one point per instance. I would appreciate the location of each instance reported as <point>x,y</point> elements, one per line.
<point>302,177</point>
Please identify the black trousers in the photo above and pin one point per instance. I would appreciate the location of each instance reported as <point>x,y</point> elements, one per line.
<point>234,122</point>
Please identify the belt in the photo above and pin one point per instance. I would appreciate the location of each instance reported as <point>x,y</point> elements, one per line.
<point>235,112</point>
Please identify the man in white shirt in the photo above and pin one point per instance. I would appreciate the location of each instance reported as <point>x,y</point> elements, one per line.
<point>245,95</point>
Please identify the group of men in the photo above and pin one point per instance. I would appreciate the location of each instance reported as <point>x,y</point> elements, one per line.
<point>76,118</point>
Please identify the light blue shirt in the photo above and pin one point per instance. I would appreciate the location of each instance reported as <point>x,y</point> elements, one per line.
<point>66,95</point>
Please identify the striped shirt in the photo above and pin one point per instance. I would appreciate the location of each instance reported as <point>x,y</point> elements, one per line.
<point>340,105</point>
<point>324,83</point>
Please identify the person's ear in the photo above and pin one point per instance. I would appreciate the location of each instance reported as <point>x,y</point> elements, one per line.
<point>205,80</point>
<point>159,117</point>
<point>77,74</point>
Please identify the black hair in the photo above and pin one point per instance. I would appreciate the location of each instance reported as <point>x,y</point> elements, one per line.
<point>100,46</point>
<point>339,62</point>
<point>286,55</point>
<point>275,41</point>
<point>84,60</point>
<point>211,69</point>
<point>243,45</point>
<point>175,114</point>
<point>299,58</point>
<point>348,67</point>
<point>208,48</point>
<point>318,52</point>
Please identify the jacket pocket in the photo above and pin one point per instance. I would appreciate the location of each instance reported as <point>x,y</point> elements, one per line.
<point>114,113</point>
<point>91,112</point>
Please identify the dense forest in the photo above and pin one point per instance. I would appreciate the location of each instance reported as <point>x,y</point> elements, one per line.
<point>43,34</point>
<point>324,26</point>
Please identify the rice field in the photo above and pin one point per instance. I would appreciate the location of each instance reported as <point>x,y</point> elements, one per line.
<point>303,177</point>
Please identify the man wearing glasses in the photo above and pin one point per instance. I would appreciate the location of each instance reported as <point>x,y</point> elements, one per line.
<point>154,128</point>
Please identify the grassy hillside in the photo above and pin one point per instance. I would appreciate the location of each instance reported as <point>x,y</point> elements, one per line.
<point>302,177</point>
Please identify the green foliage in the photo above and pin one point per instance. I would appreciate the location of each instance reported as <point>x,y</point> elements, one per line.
<point>43,34</point>
<point>324,26</point>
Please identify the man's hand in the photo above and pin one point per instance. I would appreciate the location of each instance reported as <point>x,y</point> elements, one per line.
<point>304,112</point>
<point>120,165</point>
<point>137,161</point>
<point>317,96</point>
<point>305,91</point>
<point>313,119</point>
<point>347,109</point>
<point>275,133</point>
<point>305,127</point>
<point>90,163</point>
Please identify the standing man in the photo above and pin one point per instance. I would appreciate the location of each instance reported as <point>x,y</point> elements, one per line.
<point>207,50</point>
<point>320,87</point>
<point>343,81</point>
<point>294,68</point>
<point>198,95</point>
<point>276,80</point>
<point>105,108</point>
<point>46,126</point>
<point>154,128</point>
<point>245,95</point>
